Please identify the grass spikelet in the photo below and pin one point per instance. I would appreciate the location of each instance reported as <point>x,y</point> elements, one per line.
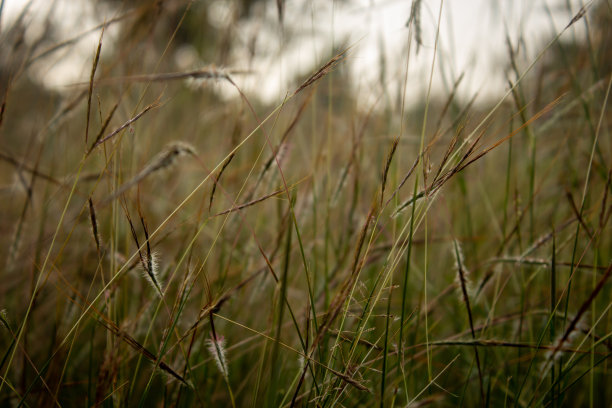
<point>139,348</point>
<point>216,348</point>
<point>106,123</point>
<point>100,140</point>
<point>208,73</point>
<point>148,259</point>
<point>321,72</point>
<point>386,170</point>
<point>168,157</point>
<point>162,161</point>
<point>578,15</point>
<point>462,272</point>
<point>575,323</point>
<point>150,271</point>
<point>152,264</point>
<point>235,136</point>
<point>91,82</point>
<point>94,224</point>
<point>217,178</point>
<point>415,19</point>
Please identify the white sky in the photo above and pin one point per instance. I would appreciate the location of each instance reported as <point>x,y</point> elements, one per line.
<point>472,39</point>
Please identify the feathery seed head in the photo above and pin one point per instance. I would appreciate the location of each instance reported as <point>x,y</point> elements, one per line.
<point>216,347</point>
<point>151,272</point>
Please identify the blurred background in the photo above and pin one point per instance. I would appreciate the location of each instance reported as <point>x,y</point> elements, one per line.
<point>280,43</point>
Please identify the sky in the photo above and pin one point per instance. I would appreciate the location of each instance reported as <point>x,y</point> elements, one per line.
<point>471,40</point>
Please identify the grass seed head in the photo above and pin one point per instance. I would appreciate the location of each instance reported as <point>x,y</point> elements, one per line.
<point>216,348</point>
<point>151,272</point>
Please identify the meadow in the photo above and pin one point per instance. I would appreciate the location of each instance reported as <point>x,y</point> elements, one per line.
<point>165,244</point>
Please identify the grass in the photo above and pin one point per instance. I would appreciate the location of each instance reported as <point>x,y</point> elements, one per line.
<point>163,245</point>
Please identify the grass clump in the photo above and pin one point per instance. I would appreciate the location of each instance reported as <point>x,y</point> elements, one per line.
<point>321,250</point>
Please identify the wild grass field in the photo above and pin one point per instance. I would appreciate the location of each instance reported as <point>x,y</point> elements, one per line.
<point>168,238</point>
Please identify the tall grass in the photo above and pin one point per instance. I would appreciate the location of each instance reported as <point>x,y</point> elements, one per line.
<point>164,244</point>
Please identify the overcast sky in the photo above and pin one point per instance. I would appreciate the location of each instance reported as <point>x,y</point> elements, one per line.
<point>472,40</point>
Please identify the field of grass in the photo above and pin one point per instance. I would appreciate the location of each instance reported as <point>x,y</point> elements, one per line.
<point>161,245</point>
